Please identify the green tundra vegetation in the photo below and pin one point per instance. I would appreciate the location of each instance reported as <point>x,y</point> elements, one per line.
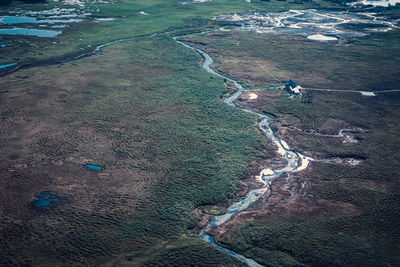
<point>148,113</point>
<point>164,16</point>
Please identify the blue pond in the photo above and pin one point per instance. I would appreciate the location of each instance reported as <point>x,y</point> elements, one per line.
<point>7,65</point>
<point>17,19</point>
<point>31,32</point>
<point>20,19</point>
<point>46,200</point>
<point>94,167</point>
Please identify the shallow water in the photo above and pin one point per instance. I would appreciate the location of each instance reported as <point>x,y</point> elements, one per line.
<point>50,18</point>
<point>94,167</point>
<point>30,32</point>
<point>7,65</point>
<point>46,200</point>
<point>9,20</point>
<point>17,19</point>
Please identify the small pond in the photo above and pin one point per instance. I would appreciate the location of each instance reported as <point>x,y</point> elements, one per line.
<point>46,200</point>
<point>93,167</point>
<point>30,32</point>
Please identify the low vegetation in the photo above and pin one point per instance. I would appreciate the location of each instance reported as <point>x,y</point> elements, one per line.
<point>153,119</point>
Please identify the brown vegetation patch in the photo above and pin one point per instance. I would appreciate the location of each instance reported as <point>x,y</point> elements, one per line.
<point>264,97</point>
<point>291,197</point>
<point>46,139</point>
<point>371,185</point>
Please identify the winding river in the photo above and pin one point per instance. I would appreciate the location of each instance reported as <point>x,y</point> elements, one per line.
<point>295,162</point>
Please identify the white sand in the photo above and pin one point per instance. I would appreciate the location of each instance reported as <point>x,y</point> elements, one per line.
<point>267,172</point>
<point>320,37</point>
<point>72,2</point>
<point>354,162</point>
<point>377,3</point>
<point>367,93</point>
<point>253,96</point>
<point>236,17</point>
<point>194,1</point>
<point>281,150</point>
<point>104,19</point>
<point>264,172</point>
<point>304,163</point>
<point>285,145</point>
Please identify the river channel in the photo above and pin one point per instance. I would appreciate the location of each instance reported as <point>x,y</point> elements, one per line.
<point>295,162</point>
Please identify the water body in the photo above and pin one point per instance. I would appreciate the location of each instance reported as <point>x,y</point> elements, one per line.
<point>9,20</point>
<point>266,175</point>
<point>7,65</point>
<point>46,200</point>
<point>95,168</point>
<point>30,32</point>
<point>17,19</point>
<point>53,18</point>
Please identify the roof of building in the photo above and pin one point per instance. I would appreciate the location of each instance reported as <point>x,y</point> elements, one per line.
<point>291,84</point>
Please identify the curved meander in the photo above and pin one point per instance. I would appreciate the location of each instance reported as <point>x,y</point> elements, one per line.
<point>295,162</point>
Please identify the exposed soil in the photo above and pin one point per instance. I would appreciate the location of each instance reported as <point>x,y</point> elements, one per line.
<point>291,197</point>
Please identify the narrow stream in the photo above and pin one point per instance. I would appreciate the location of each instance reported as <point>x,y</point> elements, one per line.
<point>266,175</point>
<point>92,53</point>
